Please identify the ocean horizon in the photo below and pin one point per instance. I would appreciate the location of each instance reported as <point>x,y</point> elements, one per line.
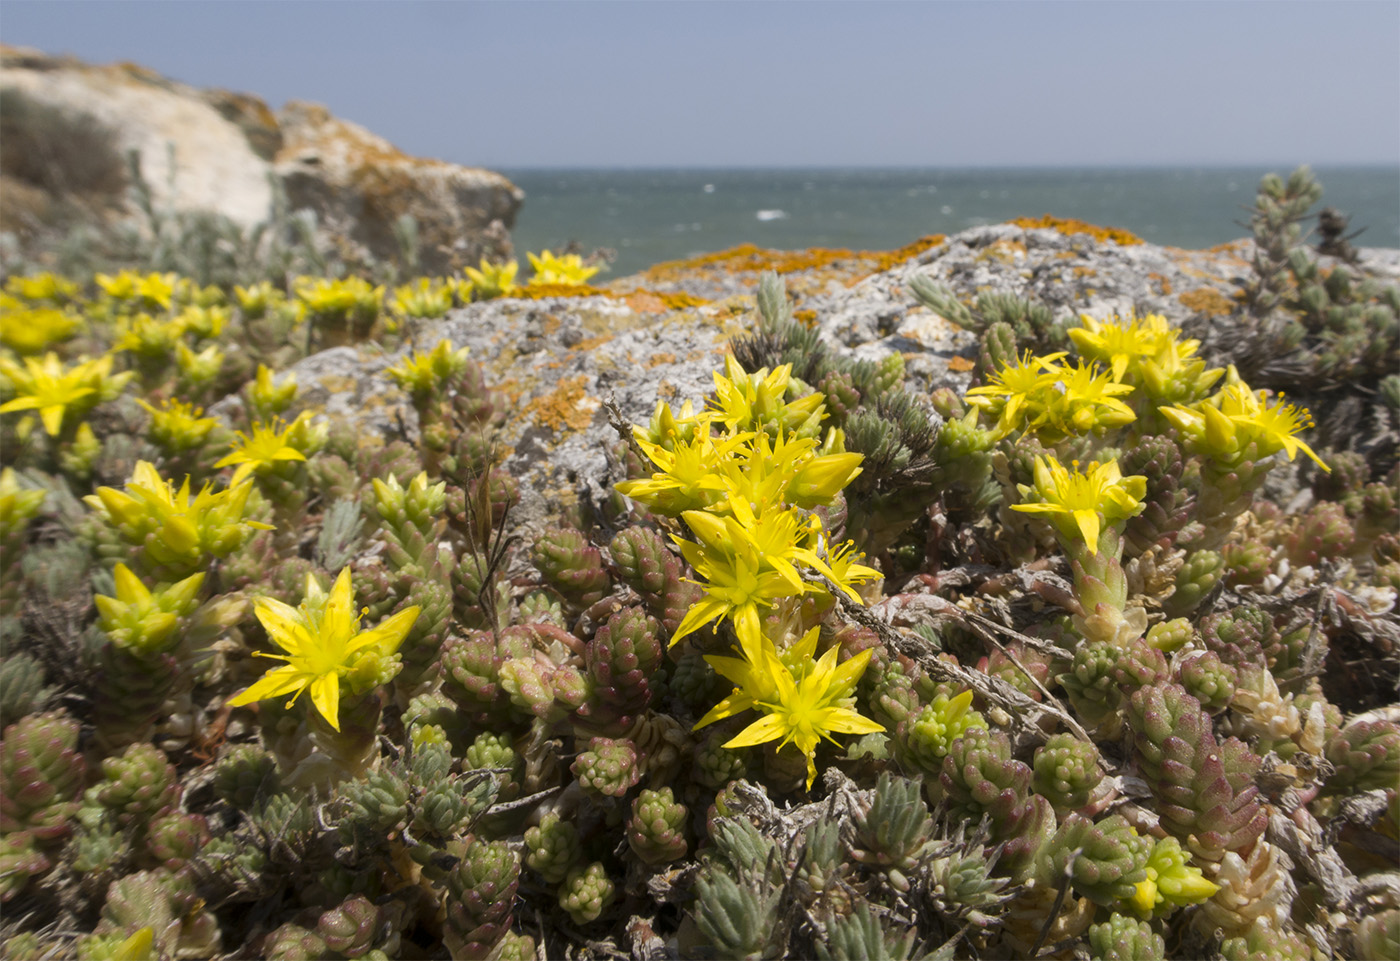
<point>647,215</point>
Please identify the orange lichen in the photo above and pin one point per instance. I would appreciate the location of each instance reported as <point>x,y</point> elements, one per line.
<point>1163,284</point>
<point>1208,301</point>
<point>1069,226</point>
<point>1082,271</point>
<point>750,258</point>
<point>565,406</point>
<point>961,365</point>
<point>664,357</point>
<point>807,318</point>
<point>898,256</point>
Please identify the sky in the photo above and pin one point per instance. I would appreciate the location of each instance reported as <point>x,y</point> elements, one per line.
<point>682,84</point>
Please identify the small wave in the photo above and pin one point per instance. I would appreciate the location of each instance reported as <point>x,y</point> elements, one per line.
<point>771,215</point>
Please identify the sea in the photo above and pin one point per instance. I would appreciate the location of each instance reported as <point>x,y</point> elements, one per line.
<point>645,216</point>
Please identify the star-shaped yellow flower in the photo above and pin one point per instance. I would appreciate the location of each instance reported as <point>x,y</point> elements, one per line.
<point>52,389</point>
<point>262,447</point>
<point>323,643</point>
<point>807,707</point>
<point>1080,503</point>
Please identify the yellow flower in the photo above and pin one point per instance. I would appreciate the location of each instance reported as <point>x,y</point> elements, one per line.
<point>147,337</point>
<point>1236,417</point>
<point>492,280</point>
<point>688,478</point>
<point>268,398</point>
<point>177,426</point>
<point>567,270</point>
<point>738,580</point>
<point>1080,503</point>
<point>17,504</point>
<point>1121,341</point>
<point>755,401</point>
<point>264,446</point>
<point>205,323</point>
<point>254,301</point>
<point>422,298</point>
<point>1013,389</point>
<point>751,685</point>
<point>1088,399</point>
<point>805,708</point>
<point>201,368</point>
<point>47,386</point>
<point>30,330</point>
<point>43,286</point>
<point>424,374</point>
<point>141,620</point>
<point>336,299</point>
<point>172,529</point>
<point>324,643</point>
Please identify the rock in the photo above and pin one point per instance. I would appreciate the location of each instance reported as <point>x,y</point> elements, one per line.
<point>362,184</point>
<point>560,359</point>
<point>216,166</point>
<point>227,150</point>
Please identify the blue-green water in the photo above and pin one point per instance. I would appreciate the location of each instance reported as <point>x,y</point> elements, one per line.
<point>649,216</point>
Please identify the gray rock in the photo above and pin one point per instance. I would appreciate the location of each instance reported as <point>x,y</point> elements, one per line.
<point>560,359</point>
<point>217,151</point>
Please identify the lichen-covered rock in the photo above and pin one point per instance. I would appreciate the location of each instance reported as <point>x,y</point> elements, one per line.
<point>220,152</point>
<point>353,178</point>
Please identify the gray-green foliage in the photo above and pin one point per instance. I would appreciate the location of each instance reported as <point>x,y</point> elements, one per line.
<point>340,535</point>
<point>1032,321</point>
<point>862,936</point>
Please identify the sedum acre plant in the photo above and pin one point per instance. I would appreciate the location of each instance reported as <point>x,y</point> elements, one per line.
<point>841,659</point>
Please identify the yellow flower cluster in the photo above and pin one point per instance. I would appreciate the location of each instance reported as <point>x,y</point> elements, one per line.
<point>744,494</point>
<point>1238,422</point>
<point>1052,400</point>
<point>566,270</point>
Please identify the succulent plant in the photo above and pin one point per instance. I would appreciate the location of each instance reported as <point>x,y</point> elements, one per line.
<point>22,687</point>
<point>656,830</point>
<point>608,767</point>
<point>862,935</point>
<point>1121,938</point>
<point>1066,772</point>
<point>1104,861</point>
<point>1364,755</point>
<point>553,848</point>
<point>1205,788</point>
<point>371,808</point>
<point>244,775</point>
<point>893,829</point>
<point>481,898</point>
<point>586,893</point>
<point>739,918</point>
<point>571,566</point>
<point>41,775</point>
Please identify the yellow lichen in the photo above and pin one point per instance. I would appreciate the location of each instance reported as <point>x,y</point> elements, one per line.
<point>1070,226</point>
<point>1208,301</point>
<point>566,406</point>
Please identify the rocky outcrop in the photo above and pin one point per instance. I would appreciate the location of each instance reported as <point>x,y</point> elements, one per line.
<point>560,360</point>
<point>360,185</point>
<point>219,151</point>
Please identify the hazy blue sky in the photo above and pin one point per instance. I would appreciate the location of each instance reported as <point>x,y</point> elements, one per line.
<point>511,84</point>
